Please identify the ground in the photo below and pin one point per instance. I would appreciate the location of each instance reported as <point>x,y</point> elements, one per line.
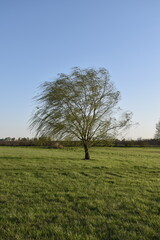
<point>54,194</point>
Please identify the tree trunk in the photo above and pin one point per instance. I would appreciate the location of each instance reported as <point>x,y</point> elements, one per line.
<point>87,156</point>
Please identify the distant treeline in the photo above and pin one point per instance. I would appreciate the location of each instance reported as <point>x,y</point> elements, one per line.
<point>48,143</point>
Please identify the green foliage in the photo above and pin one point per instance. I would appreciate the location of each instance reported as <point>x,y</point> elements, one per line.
<point>82,105</point>
<point>52,194</point>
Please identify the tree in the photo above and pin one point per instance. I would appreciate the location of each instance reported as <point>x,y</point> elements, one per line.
<point>157,134</point>
<point>81,105</point>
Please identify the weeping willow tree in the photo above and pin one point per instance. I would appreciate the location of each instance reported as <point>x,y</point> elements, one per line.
<point>81,105</point>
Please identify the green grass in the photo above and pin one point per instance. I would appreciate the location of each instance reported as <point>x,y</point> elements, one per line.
<point>54,194</point>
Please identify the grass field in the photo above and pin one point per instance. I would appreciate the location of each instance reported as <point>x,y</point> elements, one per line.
<point>54,194</point>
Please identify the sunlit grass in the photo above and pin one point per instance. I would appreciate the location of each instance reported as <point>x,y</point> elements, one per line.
<point>54,194</point>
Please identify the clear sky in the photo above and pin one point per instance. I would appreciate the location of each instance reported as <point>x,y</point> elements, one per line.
<point>41,38</point>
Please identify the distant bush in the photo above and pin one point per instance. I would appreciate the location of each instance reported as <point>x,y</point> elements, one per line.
<point>47,142</point>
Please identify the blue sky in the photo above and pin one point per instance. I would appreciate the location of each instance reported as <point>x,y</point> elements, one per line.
<point>41,38</point>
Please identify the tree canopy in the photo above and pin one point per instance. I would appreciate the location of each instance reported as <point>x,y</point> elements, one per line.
<point>157,134</point>
<point>81,105</point>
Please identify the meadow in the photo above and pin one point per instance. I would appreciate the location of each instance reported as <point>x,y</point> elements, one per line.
<point>55,194</point>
